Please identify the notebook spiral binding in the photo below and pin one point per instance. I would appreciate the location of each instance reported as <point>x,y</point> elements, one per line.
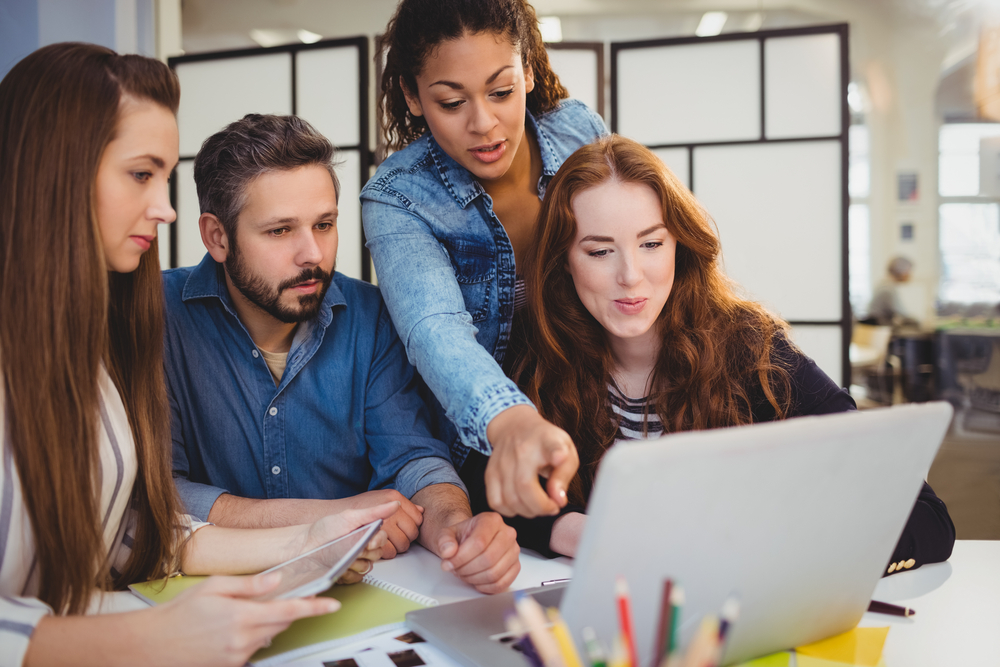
<point>400,591</point>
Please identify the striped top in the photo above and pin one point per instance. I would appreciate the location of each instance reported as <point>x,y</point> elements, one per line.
<point>20,610</point>
<point>520,294</point>
<point>633,422</point>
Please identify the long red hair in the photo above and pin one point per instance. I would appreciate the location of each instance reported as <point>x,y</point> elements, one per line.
<point>716,346</point>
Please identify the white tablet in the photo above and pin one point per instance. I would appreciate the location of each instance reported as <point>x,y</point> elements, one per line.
<point>315,571</point>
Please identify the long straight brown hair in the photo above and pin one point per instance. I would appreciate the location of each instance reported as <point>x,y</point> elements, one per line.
<point>715,345</point>
<point>64,315</point>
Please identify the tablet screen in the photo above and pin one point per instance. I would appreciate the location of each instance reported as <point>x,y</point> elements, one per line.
<point>316,570</point>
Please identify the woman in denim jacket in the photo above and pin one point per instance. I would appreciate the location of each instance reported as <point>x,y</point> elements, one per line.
<point>480,124</point>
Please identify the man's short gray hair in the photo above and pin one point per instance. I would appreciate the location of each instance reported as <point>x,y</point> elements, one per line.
<point>254,145</point>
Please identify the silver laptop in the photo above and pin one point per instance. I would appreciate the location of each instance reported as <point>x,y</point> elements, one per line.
<point>798,519</point>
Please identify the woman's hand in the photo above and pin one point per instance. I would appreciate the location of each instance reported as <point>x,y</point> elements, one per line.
<point>566,533</point>
<point>525,446</point>
<point>337,525</point>
<point>219,623</point>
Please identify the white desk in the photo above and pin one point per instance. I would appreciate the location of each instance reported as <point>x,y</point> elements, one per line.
<point>957,603</point>
<point>958,610</point>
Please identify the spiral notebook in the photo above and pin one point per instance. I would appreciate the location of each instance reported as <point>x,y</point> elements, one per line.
<point>367,609</point>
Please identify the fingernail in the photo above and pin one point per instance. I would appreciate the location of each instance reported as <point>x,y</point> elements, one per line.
<point>447,566</point>
<point>562,494</point>
<point>332,605</point>
<point>270,579</point>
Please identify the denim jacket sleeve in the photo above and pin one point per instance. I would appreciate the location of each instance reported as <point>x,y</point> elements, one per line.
<point>402,450</point>
<point>422,292</point>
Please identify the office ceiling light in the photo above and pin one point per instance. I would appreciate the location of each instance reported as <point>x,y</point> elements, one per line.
<point>551,28</point>
<point>268,38</point>
<point>754,21</point>
<point>711,24</point>
<point>308,37</point>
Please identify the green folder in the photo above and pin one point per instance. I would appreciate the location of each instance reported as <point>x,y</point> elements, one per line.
<point>367,609</point>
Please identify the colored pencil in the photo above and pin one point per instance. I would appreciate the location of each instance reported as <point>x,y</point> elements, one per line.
<point>533,618</point>
<point>523,643</point>
<point>703,649</point>
<point>676,604</point>
<point>730,612</point>
<point>663,629</point>
<point>595,653</point>
<point>619,653</point>
<point>625,620</point>
<point>563,638</point>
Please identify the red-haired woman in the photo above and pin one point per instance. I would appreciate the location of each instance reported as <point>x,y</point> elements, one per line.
<point>88,140</point>
<point>634,331</point>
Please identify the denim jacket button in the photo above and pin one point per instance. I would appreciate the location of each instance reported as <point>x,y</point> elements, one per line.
<point>272,412</point>
<point>276,470</point>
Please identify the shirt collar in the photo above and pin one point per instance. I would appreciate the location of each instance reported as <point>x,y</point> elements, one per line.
<point>208,280</point>
<point>463,185</point>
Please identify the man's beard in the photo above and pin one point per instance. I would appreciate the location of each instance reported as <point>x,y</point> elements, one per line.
<point>268,298</point>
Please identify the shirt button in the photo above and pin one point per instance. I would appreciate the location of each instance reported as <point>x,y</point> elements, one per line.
<point>272,412</point>
<point>255,354</point>
<point>276,470</point>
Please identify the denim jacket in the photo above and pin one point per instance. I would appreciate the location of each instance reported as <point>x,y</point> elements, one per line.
<point>446,268</point>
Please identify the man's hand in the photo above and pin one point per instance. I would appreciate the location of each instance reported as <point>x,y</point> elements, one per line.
<point>525,446</point>
<point>365,561</point>
<point>482,551</point>
<point>401,528</point>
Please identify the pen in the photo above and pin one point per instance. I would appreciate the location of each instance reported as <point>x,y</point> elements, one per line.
<point>533,618</point>
<point>594,651</point>
<point>890,609</point>
<point>663,629</point>
<point>569,655</point>
<point>625,619</point>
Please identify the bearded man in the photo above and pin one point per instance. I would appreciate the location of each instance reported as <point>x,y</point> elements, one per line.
<point>290,393</point>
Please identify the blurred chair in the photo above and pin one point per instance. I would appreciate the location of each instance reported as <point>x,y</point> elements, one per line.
<point>872,363</point>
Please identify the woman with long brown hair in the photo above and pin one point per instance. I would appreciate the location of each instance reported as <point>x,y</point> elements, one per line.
<point>634,332</point>
<point>88,140</point>
<point>480,123</point>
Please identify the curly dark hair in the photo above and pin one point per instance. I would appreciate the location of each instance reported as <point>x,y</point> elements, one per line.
<point>420,25</point>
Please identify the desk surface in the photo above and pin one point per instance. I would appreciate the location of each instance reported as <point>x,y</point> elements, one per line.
<point>957,602</point>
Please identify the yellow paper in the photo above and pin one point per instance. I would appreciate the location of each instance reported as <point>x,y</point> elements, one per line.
<point>809,661</point>
<point>860,646</point>
<point>782,659</point>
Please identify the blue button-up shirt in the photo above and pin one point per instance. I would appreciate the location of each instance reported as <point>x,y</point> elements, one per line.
<point>446,268</point>
<point>346,418</point>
